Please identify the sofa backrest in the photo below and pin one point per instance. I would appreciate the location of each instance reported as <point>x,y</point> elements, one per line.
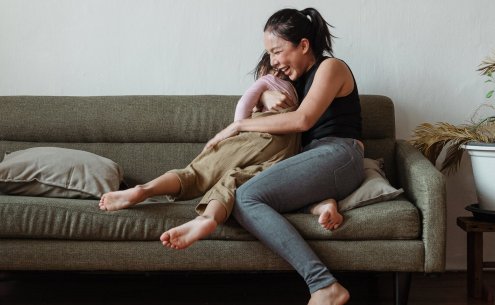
<point>379,131</point>
<point>148,135</point>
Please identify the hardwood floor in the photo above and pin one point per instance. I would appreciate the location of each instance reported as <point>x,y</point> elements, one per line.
<point>220,288</point>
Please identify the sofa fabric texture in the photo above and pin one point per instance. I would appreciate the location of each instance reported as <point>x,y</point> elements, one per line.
<point>148,135</point>
<point>46,218</point>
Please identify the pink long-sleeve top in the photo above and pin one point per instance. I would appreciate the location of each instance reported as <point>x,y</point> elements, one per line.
<point>252,95</point>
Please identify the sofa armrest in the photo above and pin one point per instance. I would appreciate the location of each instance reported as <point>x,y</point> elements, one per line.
<point>424,186</point>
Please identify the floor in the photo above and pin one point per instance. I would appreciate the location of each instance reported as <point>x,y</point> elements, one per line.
<point>220,288</point>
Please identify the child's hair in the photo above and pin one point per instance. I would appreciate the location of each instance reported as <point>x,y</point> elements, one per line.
<point>263,67</point>
<point>293,25</point>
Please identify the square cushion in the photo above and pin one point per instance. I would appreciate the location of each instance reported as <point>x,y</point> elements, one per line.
<point>58,172</point>
<point>375,187</point>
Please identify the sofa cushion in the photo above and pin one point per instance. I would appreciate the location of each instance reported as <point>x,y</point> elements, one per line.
<point>375,187</point>
<point>77,219</point>
<point>58,172</point>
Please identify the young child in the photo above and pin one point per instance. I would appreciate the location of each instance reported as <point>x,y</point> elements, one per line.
<point>217,172</point>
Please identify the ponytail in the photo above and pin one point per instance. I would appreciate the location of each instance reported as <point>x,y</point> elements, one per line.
<point>322,38</point>
<point>293,25</point>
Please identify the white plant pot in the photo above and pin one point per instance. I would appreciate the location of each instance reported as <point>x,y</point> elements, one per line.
<point>483,163</point>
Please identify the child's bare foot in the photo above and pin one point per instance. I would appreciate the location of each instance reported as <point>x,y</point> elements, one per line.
<point>330,218</point>
<point>185,235</point>
<point>122,199</point>
<point>334,294</point>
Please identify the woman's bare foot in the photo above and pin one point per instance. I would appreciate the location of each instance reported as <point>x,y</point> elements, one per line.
<point>122,199</point>
<point>185,235</point>
<point>330,218</point>
<point>334,294</point>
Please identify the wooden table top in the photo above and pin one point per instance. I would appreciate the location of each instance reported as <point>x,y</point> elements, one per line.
<point>471,224</point>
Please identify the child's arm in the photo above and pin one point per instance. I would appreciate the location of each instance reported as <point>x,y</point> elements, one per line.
<point>250,99</point>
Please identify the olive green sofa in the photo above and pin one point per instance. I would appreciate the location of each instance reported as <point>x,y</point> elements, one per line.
<point>147,135</point>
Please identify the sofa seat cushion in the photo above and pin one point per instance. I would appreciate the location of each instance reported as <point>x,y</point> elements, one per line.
<point>78,219</point>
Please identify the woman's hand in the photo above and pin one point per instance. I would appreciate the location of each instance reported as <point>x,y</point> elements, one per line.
<point>275,100</point>
<point>229,131</point>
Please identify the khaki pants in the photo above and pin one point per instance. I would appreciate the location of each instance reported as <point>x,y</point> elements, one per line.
<point>217,172</point>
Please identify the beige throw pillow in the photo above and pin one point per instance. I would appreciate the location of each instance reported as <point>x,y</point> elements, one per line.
<point>58,172</point>
<point>375,187</point>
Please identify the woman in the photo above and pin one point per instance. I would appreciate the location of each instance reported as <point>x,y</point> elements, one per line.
<point>330,165</point>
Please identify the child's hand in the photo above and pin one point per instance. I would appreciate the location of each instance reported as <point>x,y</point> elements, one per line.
<point>275,100</point>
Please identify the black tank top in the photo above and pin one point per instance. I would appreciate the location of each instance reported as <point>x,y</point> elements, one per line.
<point>341,119</point>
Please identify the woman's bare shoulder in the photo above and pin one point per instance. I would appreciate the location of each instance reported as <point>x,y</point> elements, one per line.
<point>336,72</point>
<point>332,64</point>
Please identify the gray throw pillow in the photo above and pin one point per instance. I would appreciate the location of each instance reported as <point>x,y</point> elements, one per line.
<point>375,187</point>
<point>58,172</point>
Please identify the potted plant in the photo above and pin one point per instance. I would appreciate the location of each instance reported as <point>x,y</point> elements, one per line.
<point>477,137</point>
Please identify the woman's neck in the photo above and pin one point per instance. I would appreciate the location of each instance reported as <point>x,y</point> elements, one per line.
<point>310,62</point>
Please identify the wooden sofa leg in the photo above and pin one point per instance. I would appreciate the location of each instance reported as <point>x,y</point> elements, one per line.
<point>402,283</point>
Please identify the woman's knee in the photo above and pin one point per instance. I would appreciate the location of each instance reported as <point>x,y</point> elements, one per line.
<point>244,195</point>
<point>241,206</point>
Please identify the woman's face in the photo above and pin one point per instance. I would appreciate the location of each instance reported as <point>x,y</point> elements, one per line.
<point>287,59</point>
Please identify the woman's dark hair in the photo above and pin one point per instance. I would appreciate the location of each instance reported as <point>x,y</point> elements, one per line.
<point>263,67</point>
<point>293,25</point>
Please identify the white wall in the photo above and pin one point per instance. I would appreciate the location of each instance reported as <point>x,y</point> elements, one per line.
<point>423,54</point>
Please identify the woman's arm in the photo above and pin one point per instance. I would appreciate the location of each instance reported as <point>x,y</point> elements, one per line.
<point>333,79</point>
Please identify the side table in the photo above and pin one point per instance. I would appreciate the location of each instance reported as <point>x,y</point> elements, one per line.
<point>475,264</point>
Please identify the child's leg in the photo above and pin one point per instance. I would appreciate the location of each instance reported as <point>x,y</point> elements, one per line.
<point>186,234</point>
<point>330,218</point>
<point>198,177</point>
<point>166,184</point>
<point>263,150</point>
<point>211,165</point>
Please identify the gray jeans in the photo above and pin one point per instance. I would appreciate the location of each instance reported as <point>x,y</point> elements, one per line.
<point>326,168</point>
